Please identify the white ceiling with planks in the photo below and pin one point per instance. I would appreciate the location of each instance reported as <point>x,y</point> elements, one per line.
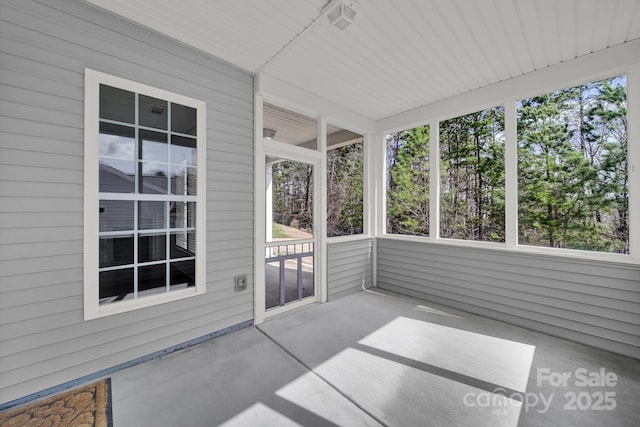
<point>397,55</point>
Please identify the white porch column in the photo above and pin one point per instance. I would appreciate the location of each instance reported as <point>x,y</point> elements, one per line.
<point>434,180</point>
<point>268,181</point>
<point>633,158</point>
<point>511,173</point>
<point>320,215</point>
<point>259,211</point>
<point>378,174</point>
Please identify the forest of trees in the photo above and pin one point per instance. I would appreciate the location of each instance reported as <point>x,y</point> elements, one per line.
<point>408,182</point>
<point>293,192</point>
<point>292,185</point>
<point>572,157</point>
<point>345,173</point>
<point>572,172</point>
<point>472,176</point>
<point>572,175</point>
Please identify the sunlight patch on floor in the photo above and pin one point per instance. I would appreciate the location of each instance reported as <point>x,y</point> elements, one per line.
<point>404,395</point>
<point>497,361</point>
<point>435,311</point>
<point>260,415</point>
<point>315,395</point>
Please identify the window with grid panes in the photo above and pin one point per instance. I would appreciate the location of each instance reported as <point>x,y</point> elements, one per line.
<point>148,194</point>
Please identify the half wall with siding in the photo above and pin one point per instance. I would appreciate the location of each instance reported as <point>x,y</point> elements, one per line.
<point>350,265</point>
<point>591,302</point>
<point>44,49</point>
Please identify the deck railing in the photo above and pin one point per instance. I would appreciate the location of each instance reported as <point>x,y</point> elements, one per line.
<point>283,251</point>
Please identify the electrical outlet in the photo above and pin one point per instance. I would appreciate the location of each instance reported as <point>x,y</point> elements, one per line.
<point>241,283</point>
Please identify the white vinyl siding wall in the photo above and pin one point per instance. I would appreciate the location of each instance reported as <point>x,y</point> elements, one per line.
<point>589,297</point>
<point>350,266</point>
<point>592,302</point>
<point>44,49</point>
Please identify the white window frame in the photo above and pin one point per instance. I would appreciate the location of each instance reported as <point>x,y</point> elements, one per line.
<point>366,232</point>
<point>511,206</point>
<point>92,308</point>
<point>434,202</point>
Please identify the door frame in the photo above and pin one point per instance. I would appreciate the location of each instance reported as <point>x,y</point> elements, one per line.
<point>304,155</point>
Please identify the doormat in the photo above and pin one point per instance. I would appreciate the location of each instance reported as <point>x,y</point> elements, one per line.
<point>89,405</point>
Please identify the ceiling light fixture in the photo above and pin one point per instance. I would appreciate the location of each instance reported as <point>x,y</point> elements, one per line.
<point>268,133</point>
<point>341,13</point>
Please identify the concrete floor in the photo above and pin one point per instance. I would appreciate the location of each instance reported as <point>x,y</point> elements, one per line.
<point>377,358</point>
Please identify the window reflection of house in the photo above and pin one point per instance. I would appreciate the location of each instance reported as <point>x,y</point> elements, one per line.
<point>118,216</point>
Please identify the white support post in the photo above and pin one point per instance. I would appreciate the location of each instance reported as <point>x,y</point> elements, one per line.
<point>376,176</point>
<point>379,176</point>
<point>633,153</point>
<point>259,286</point>
<point>368,185</point>
<point>321,212</point>
<point>434,180</point>
<point>511,174</point>
<point>268,214</point>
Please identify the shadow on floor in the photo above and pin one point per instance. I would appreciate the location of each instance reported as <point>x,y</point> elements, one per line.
<point>375,358</point>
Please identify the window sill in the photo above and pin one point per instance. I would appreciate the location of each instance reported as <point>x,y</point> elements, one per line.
<point>149,301</point>
<point>573,254</point>
<point>350,238</point>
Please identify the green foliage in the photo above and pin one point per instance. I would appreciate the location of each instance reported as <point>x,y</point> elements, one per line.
<point>345,171</point>
<point>572,175</point>
<point>572,172</point>
<point>292,184</point>
<point>278,231</point>
<point>408,182</point>
<point>293,192</point>
<point>472,176</point>
<point>572,168</point>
